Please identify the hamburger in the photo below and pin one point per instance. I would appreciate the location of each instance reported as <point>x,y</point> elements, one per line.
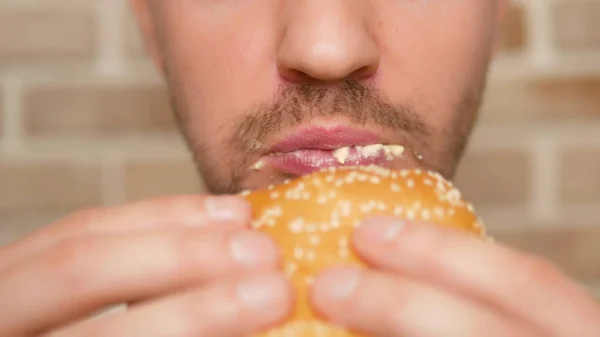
<point>312,219</point>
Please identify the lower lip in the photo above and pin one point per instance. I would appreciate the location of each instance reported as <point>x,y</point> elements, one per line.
<point>303,162</point>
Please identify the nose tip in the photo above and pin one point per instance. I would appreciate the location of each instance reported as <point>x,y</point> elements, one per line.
<point>327,63</point>
<point>327,45</point>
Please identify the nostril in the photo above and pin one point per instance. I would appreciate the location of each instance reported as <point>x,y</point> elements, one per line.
<point>293,75</point>
<point>363,73</point>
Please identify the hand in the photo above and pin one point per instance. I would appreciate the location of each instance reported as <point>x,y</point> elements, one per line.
<point>164,255</point>
<point>429,281</point>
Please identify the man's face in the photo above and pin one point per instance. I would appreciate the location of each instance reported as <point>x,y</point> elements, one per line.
<point>271,89</point>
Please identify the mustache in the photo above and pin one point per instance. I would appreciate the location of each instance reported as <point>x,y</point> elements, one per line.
<point>360,103</point>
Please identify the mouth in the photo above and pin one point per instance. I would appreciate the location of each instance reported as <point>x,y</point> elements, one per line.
<point>314,148</point>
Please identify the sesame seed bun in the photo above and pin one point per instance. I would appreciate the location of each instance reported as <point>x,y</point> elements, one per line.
<point>312,219</point>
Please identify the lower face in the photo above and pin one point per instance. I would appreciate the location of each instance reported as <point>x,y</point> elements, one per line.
<point>270,90</point>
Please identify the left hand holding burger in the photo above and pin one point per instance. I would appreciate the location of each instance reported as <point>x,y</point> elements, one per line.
<point>430,281</point>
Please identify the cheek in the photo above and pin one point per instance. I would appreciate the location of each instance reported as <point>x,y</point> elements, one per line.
<point>213,58</point>
<point>437,53</point>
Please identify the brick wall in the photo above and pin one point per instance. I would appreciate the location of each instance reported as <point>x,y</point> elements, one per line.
<point>84,121</point>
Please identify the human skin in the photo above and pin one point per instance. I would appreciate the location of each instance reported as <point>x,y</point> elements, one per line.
<point>242,74</point>
<point>246,71</point>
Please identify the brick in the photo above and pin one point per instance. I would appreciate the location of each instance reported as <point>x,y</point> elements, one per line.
<point>15,225</point>
<point>155,179</point>
<point>95,110</point>
<point>576,250</point>
<point>33,187</point>
<point>492,178</point>
<point>513,35</point>
<point>576,24</point>
<point>580,178</point>
<point>44,34</point>
<point>549,100</point>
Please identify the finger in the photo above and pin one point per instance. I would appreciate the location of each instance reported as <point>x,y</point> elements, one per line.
<point>79,277</point>
<point>224,310</point>
<point>378,304</point>
<point>168,212</point>
<point>492,273</point>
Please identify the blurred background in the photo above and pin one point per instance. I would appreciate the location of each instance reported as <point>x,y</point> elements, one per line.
<point>84,121</point>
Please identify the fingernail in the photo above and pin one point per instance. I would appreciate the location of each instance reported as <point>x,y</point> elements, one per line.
<point>229,208</point>
<point>261,292</point>
<point>252,249</point>
<point>381,229</point>
<point>338,284</point>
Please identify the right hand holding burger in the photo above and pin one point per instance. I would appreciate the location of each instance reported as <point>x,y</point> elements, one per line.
<point>188,266</point>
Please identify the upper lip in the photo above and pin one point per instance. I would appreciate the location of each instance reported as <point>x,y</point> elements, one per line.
<point>326,138</point>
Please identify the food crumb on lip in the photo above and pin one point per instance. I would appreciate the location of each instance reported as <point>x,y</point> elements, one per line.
<point>258,165</point>
<point>368,151</point>
<point>342,154</point>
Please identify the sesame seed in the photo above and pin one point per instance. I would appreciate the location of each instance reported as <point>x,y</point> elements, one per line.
<point>290,268</point>
<point>343,242</point>
<point>314,239</point>
<point>298,253</point>
<point>410,183</point>
<point>439,211</point>
<point>346,208</point>
<point>296,225</point>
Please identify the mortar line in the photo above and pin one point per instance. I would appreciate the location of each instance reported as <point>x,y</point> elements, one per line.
<point>545,175</point>
<point>11,123</point>
<point>109,28</point>
<point>112,179</point>
<point>539,27</point>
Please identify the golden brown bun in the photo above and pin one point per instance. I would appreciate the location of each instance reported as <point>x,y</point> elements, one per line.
<point>312,219</point>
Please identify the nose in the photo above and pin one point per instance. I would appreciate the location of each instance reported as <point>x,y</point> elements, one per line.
<point>327,41</point>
